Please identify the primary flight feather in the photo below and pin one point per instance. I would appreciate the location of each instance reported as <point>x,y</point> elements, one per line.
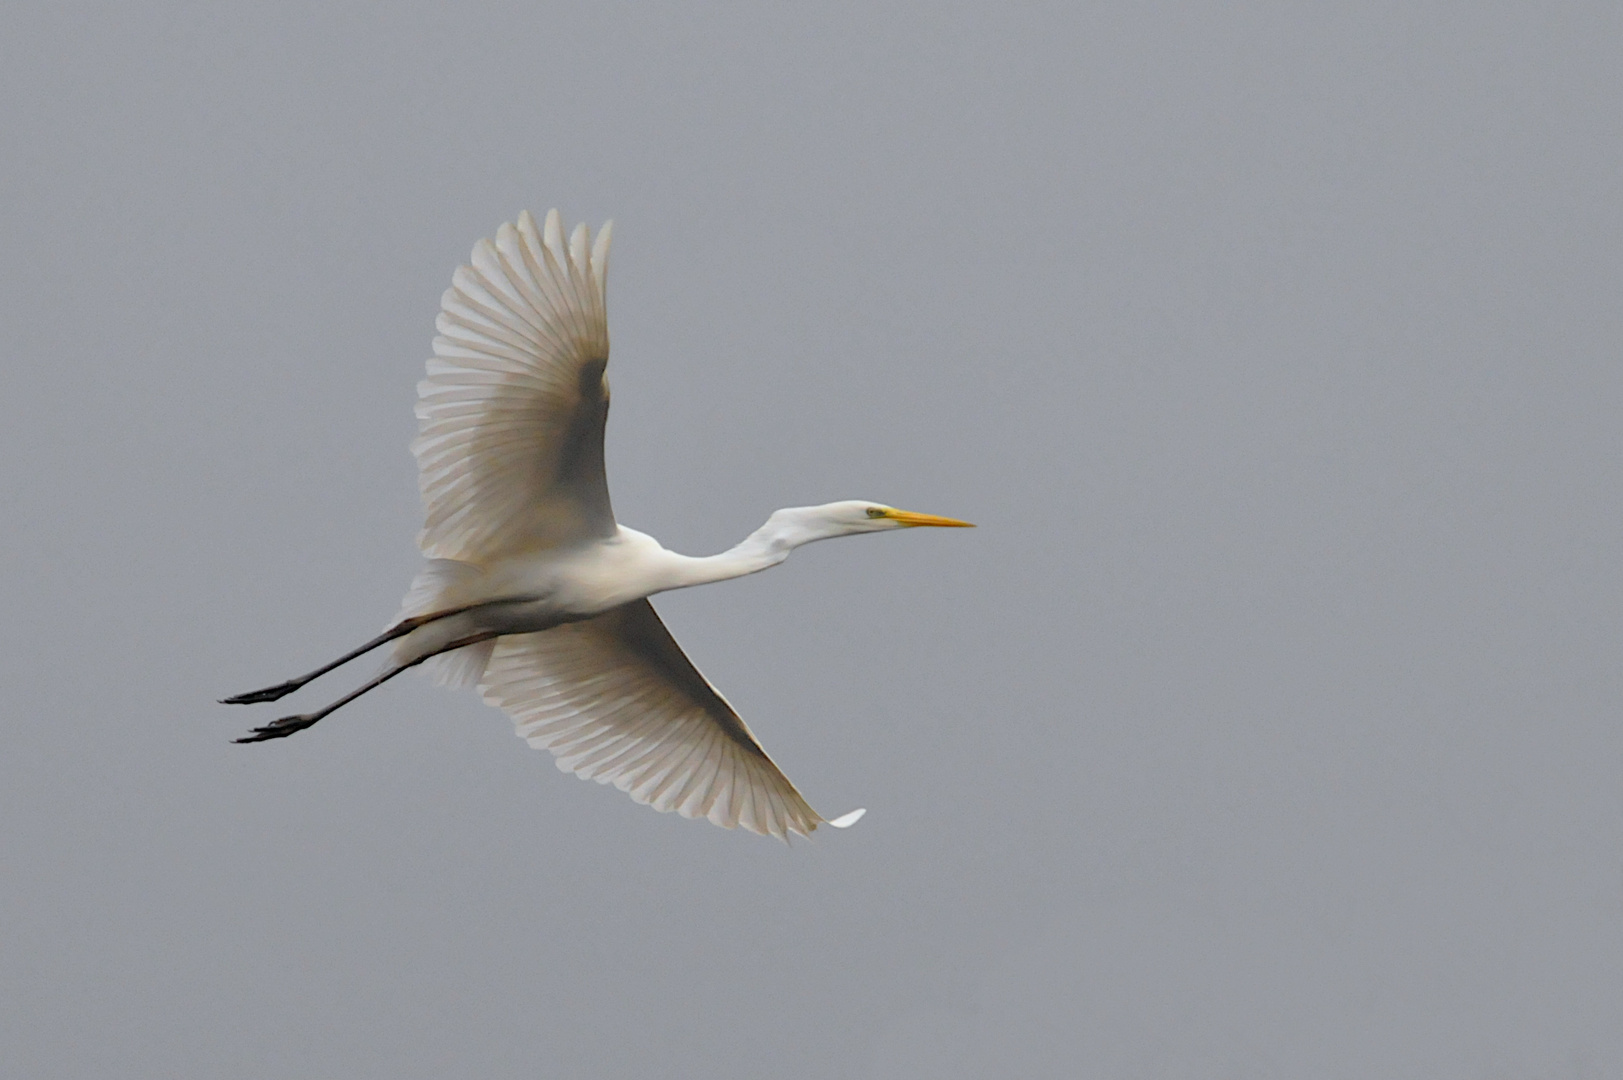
<point>531,591</point>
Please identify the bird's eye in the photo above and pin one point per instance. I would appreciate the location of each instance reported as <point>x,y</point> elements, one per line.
<point>875,512</point>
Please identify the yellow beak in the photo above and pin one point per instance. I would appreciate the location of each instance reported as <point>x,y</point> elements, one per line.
<point>907,517</point>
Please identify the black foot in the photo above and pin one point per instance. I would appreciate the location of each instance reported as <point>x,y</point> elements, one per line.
<point>270,693</point>
<point>281,729</point>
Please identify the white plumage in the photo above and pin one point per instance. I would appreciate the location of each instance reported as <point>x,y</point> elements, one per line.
<point>531,590</point>
<point>505,453</point>
<point>616,701</point>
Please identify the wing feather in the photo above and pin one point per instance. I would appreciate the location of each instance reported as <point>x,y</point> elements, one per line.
<point>616,701</point>
<point>510,416</point>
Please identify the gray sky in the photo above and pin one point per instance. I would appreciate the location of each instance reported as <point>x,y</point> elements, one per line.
<point>1267,727</point>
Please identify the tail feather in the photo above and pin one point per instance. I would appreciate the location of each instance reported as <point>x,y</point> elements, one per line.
<point>436,585</point>
<point>436,588</point>
<point>460,669</point>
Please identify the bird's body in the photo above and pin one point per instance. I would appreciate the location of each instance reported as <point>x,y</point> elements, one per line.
<point>558,586</point>
<point>547,588</point>
<point>531,590</point>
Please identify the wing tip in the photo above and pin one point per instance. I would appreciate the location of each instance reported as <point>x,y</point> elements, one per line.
<point>845,821</point>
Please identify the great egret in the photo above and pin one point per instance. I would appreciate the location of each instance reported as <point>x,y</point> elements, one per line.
<point>532,592</point>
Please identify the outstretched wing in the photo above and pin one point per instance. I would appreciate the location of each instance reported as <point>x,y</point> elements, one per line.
<point>616,701</point>
<point>510,444</point>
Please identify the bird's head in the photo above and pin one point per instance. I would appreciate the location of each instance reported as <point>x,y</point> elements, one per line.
<point>803,524</point>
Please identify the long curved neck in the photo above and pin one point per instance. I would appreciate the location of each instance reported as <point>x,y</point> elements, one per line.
<point>764,548</point>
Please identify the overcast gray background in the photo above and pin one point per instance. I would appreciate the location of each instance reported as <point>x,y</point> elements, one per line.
<point>1267,727</point>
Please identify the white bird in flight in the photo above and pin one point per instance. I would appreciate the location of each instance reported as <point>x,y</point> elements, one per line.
<point>531,591</point>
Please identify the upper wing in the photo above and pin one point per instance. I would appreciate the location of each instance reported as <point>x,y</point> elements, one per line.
<point>616,701</point>
<point>510,444</point>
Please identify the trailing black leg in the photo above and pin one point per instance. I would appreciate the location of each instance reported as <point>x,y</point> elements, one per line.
<point>288,725</point>
<point>398,630</point>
